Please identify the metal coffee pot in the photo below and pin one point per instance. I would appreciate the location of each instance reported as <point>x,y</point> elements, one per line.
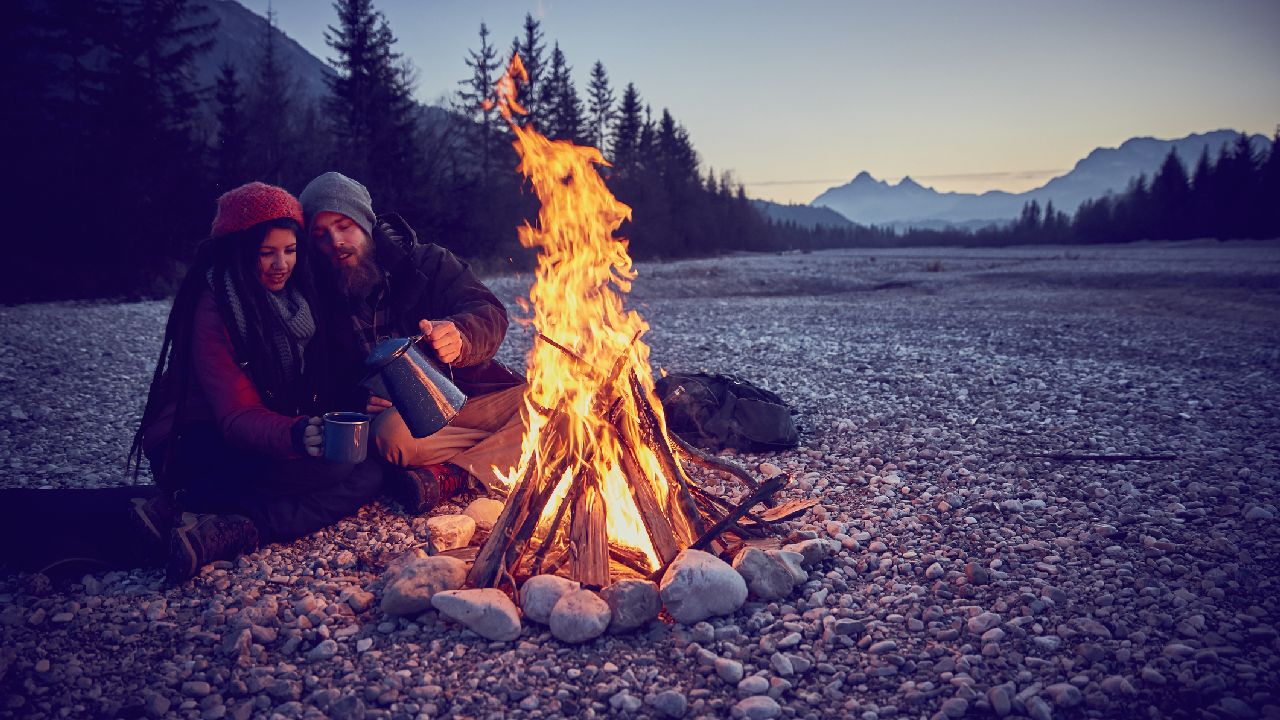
<point>425,397</point>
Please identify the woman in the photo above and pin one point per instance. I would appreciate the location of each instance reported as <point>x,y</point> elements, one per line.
<point>247,363</point>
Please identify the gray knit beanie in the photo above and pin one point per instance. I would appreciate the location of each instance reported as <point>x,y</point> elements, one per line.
<point>335,192</point>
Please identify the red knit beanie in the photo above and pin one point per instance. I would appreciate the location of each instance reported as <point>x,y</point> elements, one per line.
<point>256,202</point>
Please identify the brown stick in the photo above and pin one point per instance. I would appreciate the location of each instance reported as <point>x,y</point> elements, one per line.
<point>632,560</point>
<point>714,463</point>
<point>589,537</point>
<point>569,497</point>
<point>656,523</point>
<point>670,467</point>
<point>495,553</point>
<point>766,489</point>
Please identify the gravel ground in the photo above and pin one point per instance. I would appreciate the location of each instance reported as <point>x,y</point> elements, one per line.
<point>976,579</point>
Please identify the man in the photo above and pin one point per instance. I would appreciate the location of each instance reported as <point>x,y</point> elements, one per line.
<point>392,286</point>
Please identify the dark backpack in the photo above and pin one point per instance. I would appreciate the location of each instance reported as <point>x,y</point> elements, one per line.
<point>716,411</point>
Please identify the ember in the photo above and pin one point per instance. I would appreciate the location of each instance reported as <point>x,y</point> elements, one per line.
<point>599,489</point>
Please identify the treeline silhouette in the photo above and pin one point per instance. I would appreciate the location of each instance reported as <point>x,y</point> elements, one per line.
<point>116,153</point>
<point>1231,196</point>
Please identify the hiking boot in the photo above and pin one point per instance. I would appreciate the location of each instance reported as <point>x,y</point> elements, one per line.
<point>154,518</point>
<point>202,539</point>
<point>420,489</point>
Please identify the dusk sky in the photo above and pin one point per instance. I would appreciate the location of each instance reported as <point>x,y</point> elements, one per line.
<point>795,97</point>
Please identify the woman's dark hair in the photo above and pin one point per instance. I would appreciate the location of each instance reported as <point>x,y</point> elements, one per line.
<point>229,264</point>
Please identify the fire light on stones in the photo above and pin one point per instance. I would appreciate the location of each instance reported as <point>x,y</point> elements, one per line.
<point>599,489</point>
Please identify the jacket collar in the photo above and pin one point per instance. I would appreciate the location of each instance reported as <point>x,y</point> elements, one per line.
<point>393,243</point>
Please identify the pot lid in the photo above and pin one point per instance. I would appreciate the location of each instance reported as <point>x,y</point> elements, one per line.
<point>386,351</point>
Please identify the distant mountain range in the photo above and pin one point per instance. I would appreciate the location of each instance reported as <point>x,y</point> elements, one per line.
<point>239,39</point>
<point>868,201</point>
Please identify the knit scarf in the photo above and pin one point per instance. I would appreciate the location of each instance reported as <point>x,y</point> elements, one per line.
<point>294,312</point>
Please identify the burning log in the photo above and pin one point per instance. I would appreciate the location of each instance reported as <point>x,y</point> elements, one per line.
<point>588,539</point>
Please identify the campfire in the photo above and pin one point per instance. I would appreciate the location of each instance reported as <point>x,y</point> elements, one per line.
<point>600,491</point>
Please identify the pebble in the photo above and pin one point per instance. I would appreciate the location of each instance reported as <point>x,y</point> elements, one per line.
<point>729,671</point>
<point>410,589</point>
<point>632,603</point>
<point>487,612</point>
<point>998,697</point>
<point>1107,570</point>
<point>1064,695</point>
<point>670,703</point>
<point>753,685</point>
<point>699,585</point>
<point>449,532</point>
<point>757,707</point>
<point>540,593</point>
<point>883,646</point>
<point>955,707</point>
<point>578,616</point>
<point>484,511</point>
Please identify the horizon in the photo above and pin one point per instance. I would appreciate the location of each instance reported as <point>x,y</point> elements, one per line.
<point>1129,75</point>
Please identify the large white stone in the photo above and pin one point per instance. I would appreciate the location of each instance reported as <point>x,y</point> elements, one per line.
<point>579,616</point>
<point>409,589</point>
<point>770,574</point>
<point>449,532</point>
<point>488,612</point>
<point>699,585</point>
<point>540,593</point>
<point>632,604</point>
<point>484,511</point>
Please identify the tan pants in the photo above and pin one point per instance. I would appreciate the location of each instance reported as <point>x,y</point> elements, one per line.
<point>484,434</point>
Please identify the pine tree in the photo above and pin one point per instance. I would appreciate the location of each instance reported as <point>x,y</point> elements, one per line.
<point>531,48</point>
<point>1269,187</point>
<point>141,116</point>
<point>1204,194</point>
<point>269,109</point>
<point>677,161</point>
<point>599,106</point>
<point>371,103</point>
<point>229,152</point>
<point>1170,196</point>
<point>625,148</point>
<point>485,130</point>
<point>559,100</point>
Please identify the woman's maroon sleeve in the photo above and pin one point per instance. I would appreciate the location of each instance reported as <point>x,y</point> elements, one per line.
<point>237,406</point>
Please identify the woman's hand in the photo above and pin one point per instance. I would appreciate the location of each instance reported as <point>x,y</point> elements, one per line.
<point>376,405</point>
<point>313,437</point>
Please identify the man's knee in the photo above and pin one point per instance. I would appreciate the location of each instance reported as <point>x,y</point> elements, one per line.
<point>391,438</point>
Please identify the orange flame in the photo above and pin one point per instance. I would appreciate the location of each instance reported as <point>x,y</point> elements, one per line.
<point>588,344</point>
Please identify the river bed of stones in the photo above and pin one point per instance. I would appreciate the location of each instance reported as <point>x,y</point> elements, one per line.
<point>967,559</point>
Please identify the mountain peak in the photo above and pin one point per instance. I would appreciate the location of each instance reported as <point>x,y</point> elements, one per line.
<point>870,201</point>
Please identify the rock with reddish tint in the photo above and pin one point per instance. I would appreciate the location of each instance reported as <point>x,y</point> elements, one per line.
<point>487,612</point>
<point>540,593</point>
<point>699,585</point>
<point>632,603</point>
<point>580,615</point>
<point>770,574</point>
<point>449,532</point>
<point>409,591</point>
<point>484,511</point>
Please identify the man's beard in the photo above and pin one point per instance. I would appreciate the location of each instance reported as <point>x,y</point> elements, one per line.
<point>357,282</point>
